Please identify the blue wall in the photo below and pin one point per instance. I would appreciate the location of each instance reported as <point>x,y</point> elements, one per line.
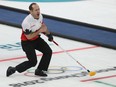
<point>71,30</point>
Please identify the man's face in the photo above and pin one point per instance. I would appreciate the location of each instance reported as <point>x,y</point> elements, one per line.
<point>36,11</point>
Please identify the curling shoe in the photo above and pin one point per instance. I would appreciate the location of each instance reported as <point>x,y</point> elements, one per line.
<point>10,71</point>
<point>40,73</point>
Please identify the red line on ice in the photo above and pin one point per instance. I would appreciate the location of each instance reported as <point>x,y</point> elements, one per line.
<point>15,58</point>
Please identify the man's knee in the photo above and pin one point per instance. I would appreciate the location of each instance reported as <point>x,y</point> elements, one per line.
<point>50,51</point>
<point>33,63</point>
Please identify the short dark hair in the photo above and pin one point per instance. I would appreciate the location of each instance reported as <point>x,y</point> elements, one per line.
<point>30,6</point>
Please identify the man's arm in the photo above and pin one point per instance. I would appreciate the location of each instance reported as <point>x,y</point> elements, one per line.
<point>48,34</point>
<point>43,29</point>
<point>47,31</point>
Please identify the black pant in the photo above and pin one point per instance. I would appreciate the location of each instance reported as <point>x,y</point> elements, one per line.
<point>29,48</point>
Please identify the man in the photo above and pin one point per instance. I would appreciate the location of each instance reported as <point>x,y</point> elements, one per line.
<point>32,26</point>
